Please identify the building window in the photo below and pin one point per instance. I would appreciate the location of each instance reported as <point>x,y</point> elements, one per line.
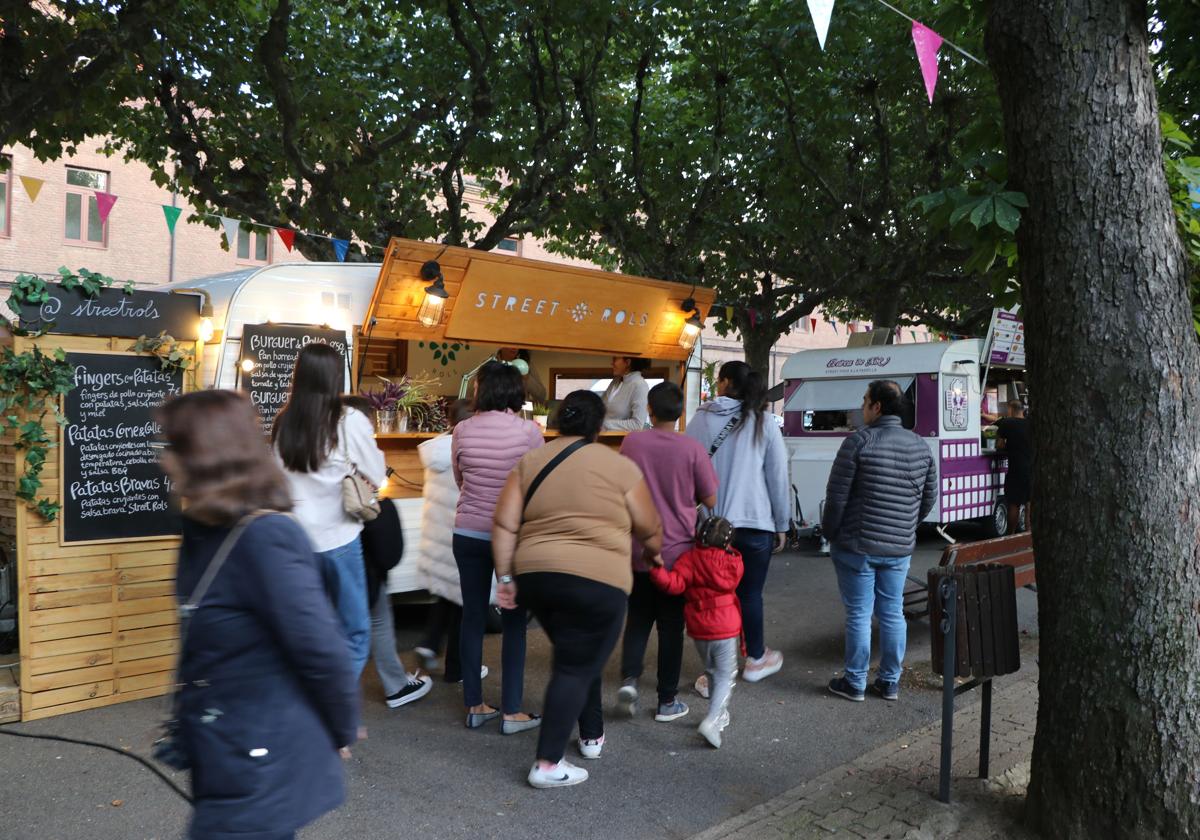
<point>509,245</point>
<point>82,213</point>
<point>5,193</point>
<point>253,246</point>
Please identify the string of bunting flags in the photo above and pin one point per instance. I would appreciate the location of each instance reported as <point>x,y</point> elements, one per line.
<point>105,201</point>
<point>926,42</point>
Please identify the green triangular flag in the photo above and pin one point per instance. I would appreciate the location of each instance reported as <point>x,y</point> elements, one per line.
<point>172,214</point>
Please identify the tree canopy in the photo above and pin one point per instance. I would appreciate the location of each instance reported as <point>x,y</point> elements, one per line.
<point>712,143</point>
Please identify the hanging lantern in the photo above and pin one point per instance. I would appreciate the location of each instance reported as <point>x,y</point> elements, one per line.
<point>691,327</point>
<point>430,313</point>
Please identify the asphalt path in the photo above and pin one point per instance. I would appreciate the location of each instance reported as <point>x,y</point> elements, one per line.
<point>422,774</point>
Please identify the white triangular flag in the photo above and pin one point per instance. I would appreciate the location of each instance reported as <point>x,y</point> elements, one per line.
<point>231,230</point>
<point>821,11</point>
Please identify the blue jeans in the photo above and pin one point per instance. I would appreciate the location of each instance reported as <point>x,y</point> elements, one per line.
<point>475,569</point>
<point>869,583</point>
<point>345,563</point>
<point>755,547</point>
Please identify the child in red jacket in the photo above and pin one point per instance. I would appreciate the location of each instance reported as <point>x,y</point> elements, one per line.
<point>708,575</point>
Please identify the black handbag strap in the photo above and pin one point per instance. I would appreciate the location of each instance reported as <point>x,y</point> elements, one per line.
<point>716,444</point>
<point>549,468</point>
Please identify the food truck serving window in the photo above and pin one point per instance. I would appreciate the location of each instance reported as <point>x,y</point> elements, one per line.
<point>835,405</point>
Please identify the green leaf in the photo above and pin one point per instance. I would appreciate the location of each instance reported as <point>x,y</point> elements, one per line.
<point>983,213</point>
<point>1007,216</point>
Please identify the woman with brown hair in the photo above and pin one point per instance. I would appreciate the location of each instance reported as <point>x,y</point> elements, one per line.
<point>267,693</point>
<point>319,441</point>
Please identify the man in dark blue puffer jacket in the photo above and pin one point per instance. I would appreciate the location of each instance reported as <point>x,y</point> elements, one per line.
<point>884,481</point>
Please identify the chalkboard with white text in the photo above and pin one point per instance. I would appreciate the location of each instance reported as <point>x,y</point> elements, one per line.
<point>112,486</point>
<point>272,348</point>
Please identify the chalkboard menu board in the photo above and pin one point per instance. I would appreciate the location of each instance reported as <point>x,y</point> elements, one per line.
<point>273,349</point>
<point>113,312</point>
<point>112,487</point>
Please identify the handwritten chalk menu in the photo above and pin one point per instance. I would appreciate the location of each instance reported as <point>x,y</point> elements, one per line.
<point>114,312</point>
<point>112,485</point>
<point>273,349</point>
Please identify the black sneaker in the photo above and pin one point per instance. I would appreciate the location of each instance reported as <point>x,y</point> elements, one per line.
<point>886,690</point>
<point>841,688</point>
<point>417,688</point>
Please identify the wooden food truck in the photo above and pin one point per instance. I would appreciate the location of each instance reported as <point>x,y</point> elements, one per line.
<point>943,381</point>
<point>571,320</point>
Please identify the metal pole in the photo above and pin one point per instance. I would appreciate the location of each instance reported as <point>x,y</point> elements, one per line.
<point>948,591</point>
<point>985,729</point>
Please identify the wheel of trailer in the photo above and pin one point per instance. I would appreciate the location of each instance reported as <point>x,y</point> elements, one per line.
<point>997,523</point>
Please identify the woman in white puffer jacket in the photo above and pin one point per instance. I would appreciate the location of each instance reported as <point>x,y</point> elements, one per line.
<point>435,554</point>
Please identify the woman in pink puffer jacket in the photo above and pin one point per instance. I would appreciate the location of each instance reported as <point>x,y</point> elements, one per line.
<point>484,451</point>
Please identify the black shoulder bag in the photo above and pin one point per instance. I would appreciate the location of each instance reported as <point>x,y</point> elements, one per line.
<point>549,468</point>
<point>716,444</point>
<point>168,748</point>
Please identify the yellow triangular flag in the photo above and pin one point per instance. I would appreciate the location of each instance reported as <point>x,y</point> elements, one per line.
<point>32,185</point>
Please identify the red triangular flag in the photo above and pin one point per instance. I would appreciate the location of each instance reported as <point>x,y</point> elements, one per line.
<point>287,235</point>
<point>814,324</point>
<point>104,205</point>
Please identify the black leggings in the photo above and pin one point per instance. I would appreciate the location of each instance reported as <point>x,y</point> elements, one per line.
<point>583,619</point>
<point>649,605</point>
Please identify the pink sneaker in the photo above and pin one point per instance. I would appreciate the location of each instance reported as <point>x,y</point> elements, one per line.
<point>759,669</point>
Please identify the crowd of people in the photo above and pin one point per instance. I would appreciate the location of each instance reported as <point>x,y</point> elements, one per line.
<point>282,568</point>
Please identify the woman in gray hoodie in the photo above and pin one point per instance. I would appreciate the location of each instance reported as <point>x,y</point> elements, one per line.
<point>751,461</point>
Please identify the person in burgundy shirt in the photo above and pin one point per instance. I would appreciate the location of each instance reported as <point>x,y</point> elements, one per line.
<point>680,475</point>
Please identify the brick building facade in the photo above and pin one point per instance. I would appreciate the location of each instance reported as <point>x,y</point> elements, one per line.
<point>61,228</point>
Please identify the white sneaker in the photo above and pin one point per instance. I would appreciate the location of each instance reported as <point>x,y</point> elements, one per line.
<point>627,697</point>
<point>590,747</point>
<point>563,774</point>
<point>702,685</point>
<point>712,729</point>
<point>759,669</point>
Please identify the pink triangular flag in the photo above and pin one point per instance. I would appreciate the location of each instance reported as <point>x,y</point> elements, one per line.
<point>104,204</point>
<point>231,230</point>
<point>32,185</point>
<point>287,235</point>
<point>821,11</point>
<point>927,43</point>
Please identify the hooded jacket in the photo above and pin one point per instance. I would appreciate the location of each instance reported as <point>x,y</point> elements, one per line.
<point>707,578</point>
<point>752,468</point>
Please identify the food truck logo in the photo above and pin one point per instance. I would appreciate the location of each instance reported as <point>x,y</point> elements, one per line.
<point>873,361</point>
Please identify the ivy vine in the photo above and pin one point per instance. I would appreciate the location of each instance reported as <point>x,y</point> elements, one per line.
<point>32,383</point>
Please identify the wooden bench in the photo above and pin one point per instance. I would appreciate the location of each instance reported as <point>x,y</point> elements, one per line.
<point>1015,550</point>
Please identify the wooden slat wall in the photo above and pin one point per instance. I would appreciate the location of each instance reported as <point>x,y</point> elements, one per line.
<point>97,622</point>
<point>400,291</point>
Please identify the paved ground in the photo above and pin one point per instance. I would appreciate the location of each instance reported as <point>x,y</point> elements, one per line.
<point>889,793</point>
<point>421,774</point>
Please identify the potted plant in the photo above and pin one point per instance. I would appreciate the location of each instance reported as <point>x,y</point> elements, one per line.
<point>541,415</point>
<point>384,403</point>
<point>401,400</point>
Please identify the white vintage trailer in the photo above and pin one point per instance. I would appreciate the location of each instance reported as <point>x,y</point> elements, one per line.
<point>316,294</point>
<point>823,396</point>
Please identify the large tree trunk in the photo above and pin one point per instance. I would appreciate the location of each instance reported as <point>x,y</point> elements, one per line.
<point>1115,387</point>
<point>757,343</point>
